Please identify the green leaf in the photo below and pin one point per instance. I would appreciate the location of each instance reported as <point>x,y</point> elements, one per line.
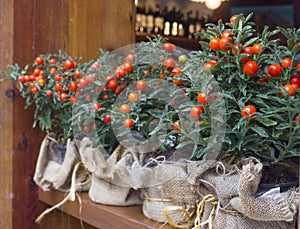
<point>252,139</point>
<point>204,45</point>
<point>239,125</point>
<point>253,147</point>
<point>155,113</point>
<point>243,89</point>
<point>266,121</point>
<point>250,42</point>
<point>283,126</point>
<point>184,143</point>
<point>259,130</point>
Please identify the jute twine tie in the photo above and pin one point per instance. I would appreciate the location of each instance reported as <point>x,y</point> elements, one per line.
<point>191,217</point>
<point>200,209</point>
<point>187,217</point>
<point>71,195</point>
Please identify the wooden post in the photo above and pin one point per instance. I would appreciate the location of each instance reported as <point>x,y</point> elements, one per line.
<point>6,108</point>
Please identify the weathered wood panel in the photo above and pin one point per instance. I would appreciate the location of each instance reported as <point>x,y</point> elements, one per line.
<point>118,18</point>
<point>6,120</point>
<point>80,28</point>
<point>25,139</point>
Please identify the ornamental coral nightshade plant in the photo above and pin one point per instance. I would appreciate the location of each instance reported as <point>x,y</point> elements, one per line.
<point>236,97</point>
<point>133,91</point>
<point>49,84</point>
<point>258,76</point>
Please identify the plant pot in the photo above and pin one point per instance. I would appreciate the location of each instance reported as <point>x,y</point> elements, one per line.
<point>110,182</point>
<point>55,165</point>
<point>272,189</point>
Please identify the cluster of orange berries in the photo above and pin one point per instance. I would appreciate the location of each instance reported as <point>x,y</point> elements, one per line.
<point>122,78</point>
<point>251,67</point>
<point>114,85</point>
<point>37,80</point>
<point>170,68</point>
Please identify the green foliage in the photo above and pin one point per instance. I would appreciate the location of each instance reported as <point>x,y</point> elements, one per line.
<point>273,134</point>
<point>42,85</point>
<point>167,111</point>
<point>152,113</point>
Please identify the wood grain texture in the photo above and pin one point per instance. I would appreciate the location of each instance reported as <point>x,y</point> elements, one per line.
<point>81,28</point>
<point>6,120</point>
<point>85,27</point>
<point>26,140</point>
<point>118,18</point>
<point>62,220</point>
<point>51,26</point>
<point>101,216</point>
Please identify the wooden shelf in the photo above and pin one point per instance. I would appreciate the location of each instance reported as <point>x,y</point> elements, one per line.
<point>182,42</point>
<point>100,216</point>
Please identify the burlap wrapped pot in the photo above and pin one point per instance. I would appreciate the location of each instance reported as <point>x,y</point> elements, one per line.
<point>55,165</point>
<point>170,190</point>
<point>110,183</point>
<point>232,201</point>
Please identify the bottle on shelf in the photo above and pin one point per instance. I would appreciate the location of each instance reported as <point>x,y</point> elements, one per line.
<point>181,24</point>
<point>199,24</point>
<point>190,26</point>
<point>167,22</point>
<point>204,22</point>
<point>150,19</point>
<point>143,27</point>
<point>158,20</point>
<point>138,19</point>
<point>174,21</point>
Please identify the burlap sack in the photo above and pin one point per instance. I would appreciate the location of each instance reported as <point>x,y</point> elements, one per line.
<point>235,206</point>
<point>55,166</point>
<point>111,184</point>
<point>280,207</point>
<point>225,219</point>
<point>173,194</point>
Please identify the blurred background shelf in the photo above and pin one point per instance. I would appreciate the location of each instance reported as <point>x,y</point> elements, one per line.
<point>182,42</point>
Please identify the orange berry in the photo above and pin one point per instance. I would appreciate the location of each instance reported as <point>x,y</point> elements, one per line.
<point>248,111</point>
<point>133,96</point>
<point>124,108</point>
<point>128,123</point>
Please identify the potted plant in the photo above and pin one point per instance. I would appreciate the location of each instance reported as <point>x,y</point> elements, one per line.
<point>258,76</point>
<point>236,98</point>
<point>49,84</point>
<point>160,122</point>
<point>259,79</point>
<point>128,115</point>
